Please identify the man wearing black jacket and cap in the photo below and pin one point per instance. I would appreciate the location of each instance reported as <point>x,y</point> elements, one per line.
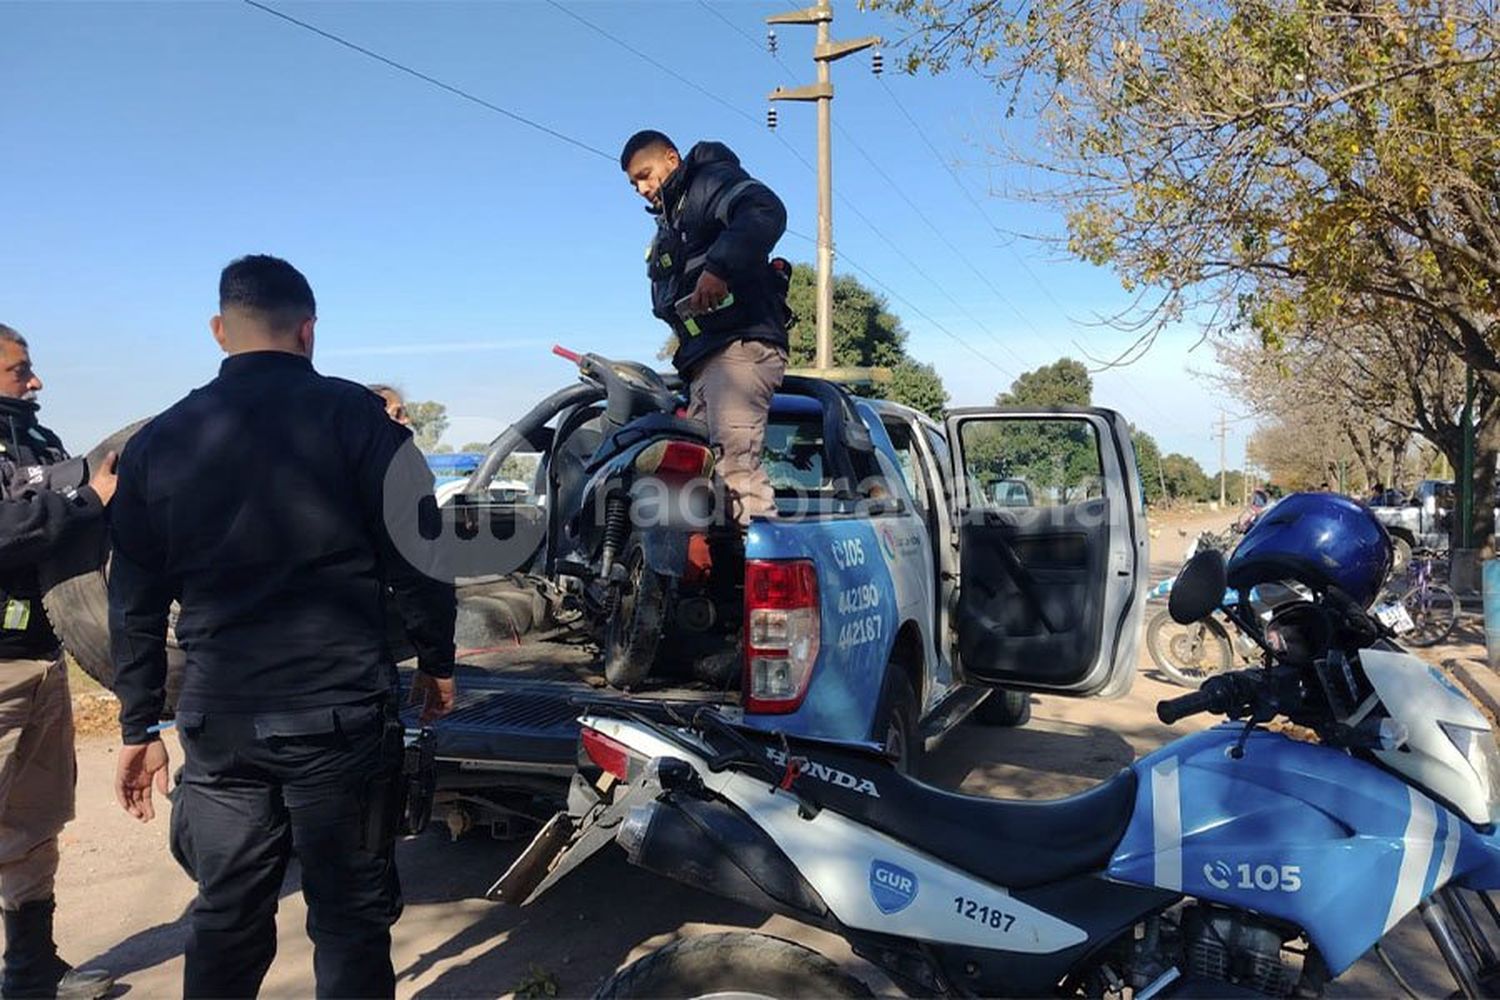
<point>43,501</point>
<point>275,505</point>
<point>712,282</point>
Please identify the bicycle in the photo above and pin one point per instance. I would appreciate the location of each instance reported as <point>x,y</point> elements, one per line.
<point>1425,613</point>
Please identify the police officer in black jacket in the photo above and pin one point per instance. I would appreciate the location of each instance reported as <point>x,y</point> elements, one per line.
<point>713,284</point>
<point>269,504</point>
<point>44,501</point>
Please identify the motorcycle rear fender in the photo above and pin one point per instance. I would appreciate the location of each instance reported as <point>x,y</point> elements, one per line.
<point>666,550</point>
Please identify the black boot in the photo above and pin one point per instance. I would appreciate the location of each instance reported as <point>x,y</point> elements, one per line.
<point>32,966</point>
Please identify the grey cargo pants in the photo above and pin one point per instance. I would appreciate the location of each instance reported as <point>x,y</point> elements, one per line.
<point>731,392</point>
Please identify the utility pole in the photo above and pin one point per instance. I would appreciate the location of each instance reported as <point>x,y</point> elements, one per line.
<point>1223,432</point>
<point>824,53</point>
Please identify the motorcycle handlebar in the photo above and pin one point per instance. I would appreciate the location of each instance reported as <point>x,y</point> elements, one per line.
<point>563,352</point>
<point>1225,694</point>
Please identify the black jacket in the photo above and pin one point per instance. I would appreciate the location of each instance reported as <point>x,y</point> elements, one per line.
<point>260,503</point>
<point>43,497</point>
<point>718,218</point>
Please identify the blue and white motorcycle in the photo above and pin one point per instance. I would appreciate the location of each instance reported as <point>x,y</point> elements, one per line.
<point>1238,861</point>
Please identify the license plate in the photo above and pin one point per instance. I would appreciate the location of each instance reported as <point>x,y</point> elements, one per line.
<point>1395,617</point>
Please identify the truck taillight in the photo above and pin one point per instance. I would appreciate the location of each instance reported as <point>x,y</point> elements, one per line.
<point>676,460</point>
<point>610,755</point>
<point>781,633</point>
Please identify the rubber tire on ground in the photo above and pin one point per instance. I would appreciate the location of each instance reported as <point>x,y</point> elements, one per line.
<point>1444,604</point>
<point>902,711</point>
<point>632,634</point>
<point>1004,707</point>
<point>1220,654</point>
<point>742,963</point>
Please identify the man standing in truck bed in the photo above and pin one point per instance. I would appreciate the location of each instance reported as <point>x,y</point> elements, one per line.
<point>712,282</point>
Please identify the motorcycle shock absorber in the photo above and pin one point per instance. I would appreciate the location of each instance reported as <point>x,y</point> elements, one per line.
<point>616,524</point>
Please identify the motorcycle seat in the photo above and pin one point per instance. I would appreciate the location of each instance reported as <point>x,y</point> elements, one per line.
<point>1016,844</point>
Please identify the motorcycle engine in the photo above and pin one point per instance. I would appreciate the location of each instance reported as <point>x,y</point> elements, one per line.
<point>1235,947</point>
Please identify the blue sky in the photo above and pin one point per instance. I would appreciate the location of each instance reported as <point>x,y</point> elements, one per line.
<point>145,145</point>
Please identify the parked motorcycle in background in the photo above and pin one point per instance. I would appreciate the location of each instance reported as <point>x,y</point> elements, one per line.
<point>1188,654</point>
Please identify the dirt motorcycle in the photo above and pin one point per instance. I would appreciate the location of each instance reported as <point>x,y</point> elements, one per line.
<point>638,549</point>
<point>1237,861</point>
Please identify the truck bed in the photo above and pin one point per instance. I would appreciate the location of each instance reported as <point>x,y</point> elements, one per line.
<point>515,710</point>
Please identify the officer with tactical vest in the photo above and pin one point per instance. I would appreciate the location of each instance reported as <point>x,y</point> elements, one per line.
<point>713,284</point>
<point>44,500</point>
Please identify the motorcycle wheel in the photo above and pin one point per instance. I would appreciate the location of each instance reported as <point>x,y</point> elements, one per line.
<point>1188,654</point>
<point>737,964</point>
<point>1434,613</point>
<point>632,633</point>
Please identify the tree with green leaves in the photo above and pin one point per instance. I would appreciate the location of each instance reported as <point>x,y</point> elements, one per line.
<point>1269,166</point>
<point>428,422</point>
<point>1065,382</point>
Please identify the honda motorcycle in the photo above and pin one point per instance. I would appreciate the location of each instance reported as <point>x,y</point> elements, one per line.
<point>1238,861</point>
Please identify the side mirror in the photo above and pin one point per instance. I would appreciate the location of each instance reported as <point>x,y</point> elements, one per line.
<point>1199,589</point>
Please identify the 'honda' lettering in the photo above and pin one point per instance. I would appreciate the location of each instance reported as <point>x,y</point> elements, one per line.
<point>819,771</point>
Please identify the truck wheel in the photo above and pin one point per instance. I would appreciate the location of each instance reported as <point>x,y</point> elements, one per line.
<point>632,633</point>
<point>1004,708</point>
<point>739,964</point>
<point>902,742</point>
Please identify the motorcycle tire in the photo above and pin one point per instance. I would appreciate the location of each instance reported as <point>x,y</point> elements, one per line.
<point>633,632</point>
<point>1435,615</point>
<point>740,964</point>
<point>1188,654</point>
<point>1004,708</point>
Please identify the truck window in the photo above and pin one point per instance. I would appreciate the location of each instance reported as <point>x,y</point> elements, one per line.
<point>793,457</point>
<point>1031,463</point>
<point>909,461</point>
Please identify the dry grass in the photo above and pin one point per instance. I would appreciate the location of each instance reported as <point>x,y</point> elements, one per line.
<point>96,712</point>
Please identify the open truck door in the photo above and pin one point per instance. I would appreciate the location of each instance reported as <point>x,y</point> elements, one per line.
<point>1052,549</point>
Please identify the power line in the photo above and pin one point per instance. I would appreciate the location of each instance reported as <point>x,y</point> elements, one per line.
<point>434,81</point>
<point>984,214</point>
<point>943,239</point>
<point>913,307</point>
<point>531,123</point>
<point>845,201</point>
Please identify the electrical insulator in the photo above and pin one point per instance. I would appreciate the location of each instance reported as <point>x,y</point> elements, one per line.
<point>771,40</point>
<point>877,63</point>
<point>771,118</point>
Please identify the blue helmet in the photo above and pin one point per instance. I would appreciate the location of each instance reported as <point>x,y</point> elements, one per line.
<point>1319,539</point>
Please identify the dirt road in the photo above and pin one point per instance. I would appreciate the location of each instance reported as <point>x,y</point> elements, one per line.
<point>122,900</point>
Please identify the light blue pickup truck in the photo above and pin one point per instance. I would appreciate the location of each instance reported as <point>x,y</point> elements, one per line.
<point>901,608</point>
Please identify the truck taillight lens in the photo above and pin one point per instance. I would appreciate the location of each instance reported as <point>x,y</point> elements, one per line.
<point>609,755</point>
<point>676,460</point>
<point>781,633</point>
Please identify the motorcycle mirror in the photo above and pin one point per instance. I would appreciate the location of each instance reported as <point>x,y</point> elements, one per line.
<point>1199,588</point>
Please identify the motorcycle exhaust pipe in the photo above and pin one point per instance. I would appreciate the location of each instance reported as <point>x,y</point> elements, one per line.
<point>710,845</point>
